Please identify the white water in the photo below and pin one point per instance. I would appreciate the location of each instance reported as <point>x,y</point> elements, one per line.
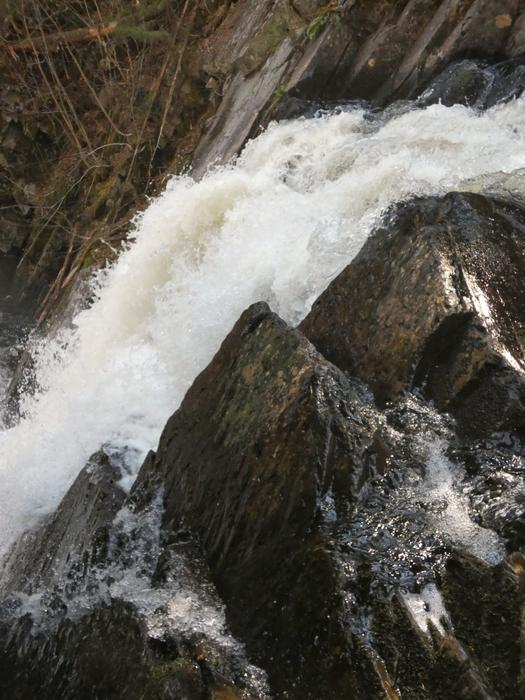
<point>427,607</point>
<point>184,605</point>
<point>277,226</point>
<point>449,507</point>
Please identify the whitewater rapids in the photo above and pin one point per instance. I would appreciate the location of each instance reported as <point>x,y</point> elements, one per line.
<point>276,225</point>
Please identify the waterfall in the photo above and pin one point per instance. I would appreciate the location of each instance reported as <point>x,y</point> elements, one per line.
<point>277,225</point>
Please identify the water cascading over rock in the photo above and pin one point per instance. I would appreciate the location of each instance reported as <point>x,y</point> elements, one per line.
<point>335,507</point>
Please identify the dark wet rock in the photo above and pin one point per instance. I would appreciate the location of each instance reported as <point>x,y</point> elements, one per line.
<point>431,663</point>
<point>476,84</point>
<point>74,538</point>
<point>473,83</point>
<point>324,523</point>
<point>398,47</point>
<point>468,82</point>
<point>13,332</point>
<point>290,107</point>
<point>93,607</point>
<point>496,489</point>
<point>485,605</point>
<point>96,669</point>
<point>267,380</point>
<point>267,434</point>
<point>443,313</point>
<point>109,653</point>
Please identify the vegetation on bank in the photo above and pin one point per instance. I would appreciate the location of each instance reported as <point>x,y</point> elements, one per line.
<point>100,101</point>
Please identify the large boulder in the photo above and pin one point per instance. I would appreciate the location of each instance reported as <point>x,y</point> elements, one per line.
<point>433,300</point>
<point>327,525</point>
<point>268,442</point>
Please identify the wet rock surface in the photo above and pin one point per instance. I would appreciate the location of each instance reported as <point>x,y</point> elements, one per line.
<point>117,657</point>
<point>75,536</point>
<point>288,53</point>
<point>357,547</point>
<point>330,530</point>
<point>14,330</point>
<point>253,498</point>
<point>475,83</point>
<point>94,606</point>
<point>433,301</point>
<point>295,536</point>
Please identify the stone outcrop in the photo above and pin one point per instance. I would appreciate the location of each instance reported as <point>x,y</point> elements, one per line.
<point>377,51</point>
<point>267,433</point>
<point>357,548</point>
<point>432,301</point>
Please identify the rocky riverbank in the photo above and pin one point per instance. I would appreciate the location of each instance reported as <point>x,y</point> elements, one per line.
<point>362,540</point>
<point>336,509</point>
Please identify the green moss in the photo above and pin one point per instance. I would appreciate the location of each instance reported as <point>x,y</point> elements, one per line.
<point>142,35</point>
<point>316,26</point>
<point>319,22</point>
<point>265,42</point>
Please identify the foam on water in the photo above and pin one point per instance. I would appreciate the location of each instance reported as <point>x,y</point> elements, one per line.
<point>184,603</point>
<point>449,509</point>
<point>427,607</point>
<point>277,225</point>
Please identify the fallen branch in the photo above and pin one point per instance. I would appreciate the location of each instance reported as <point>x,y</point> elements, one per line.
<point>55,42</point>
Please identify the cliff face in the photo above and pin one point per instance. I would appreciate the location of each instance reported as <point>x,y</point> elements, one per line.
<point>99,105</point>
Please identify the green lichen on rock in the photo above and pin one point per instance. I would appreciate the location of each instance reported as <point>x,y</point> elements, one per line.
<point>283,23</point>
<point>319,22</point>
<point>316,26</point>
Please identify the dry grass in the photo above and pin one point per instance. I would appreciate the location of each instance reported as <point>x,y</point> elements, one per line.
<point>105,96</point>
